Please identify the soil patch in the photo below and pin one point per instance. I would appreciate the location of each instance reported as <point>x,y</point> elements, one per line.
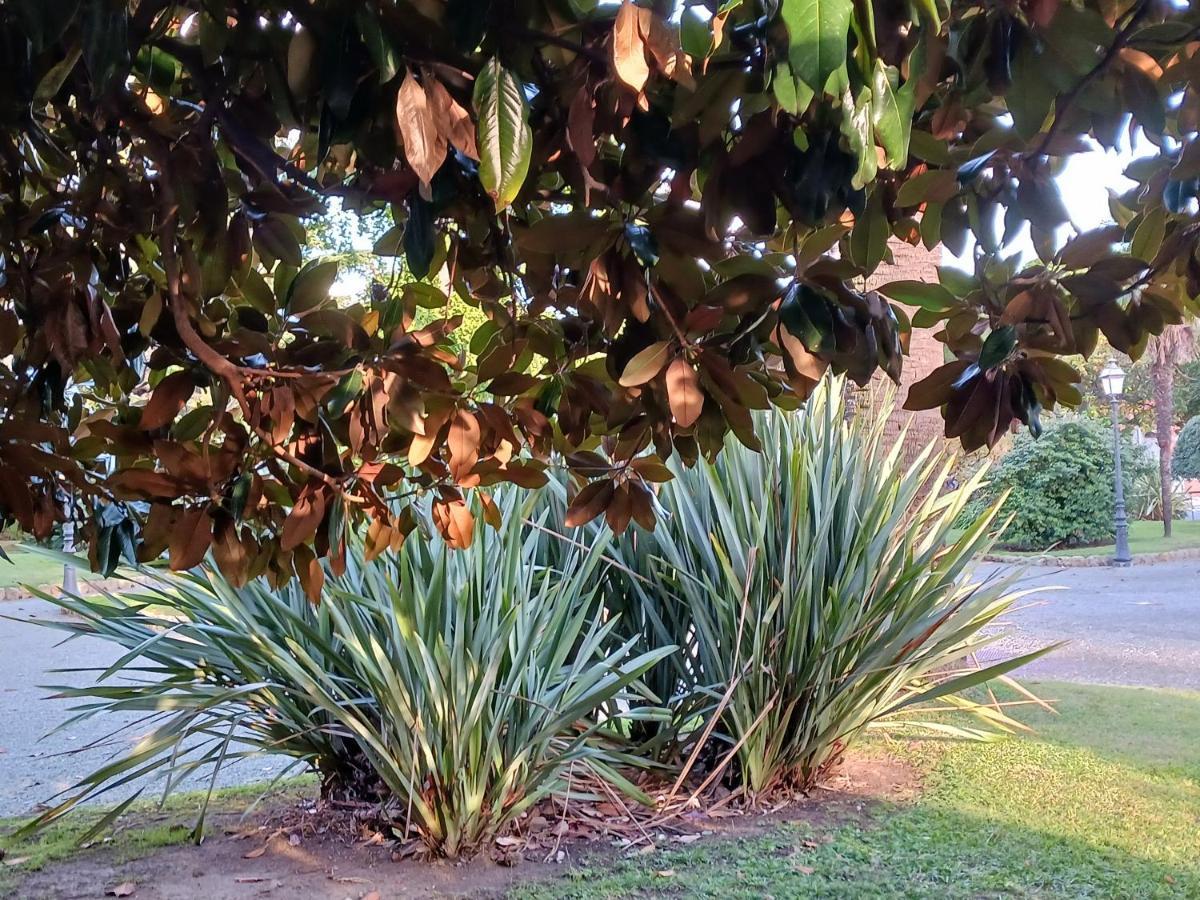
<point>290,852</point>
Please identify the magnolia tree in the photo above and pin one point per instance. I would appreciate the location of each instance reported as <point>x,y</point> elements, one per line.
<point>661,217</point>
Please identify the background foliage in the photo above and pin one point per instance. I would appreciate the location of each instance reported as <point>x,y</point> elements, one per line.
<point>1187,450</point>
<point>1060,485</point>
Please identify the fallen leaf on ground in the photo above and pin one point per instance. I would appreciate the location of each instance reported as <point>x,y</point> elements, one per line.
<point>804,870</point>
<point>255,853</point>
<point>124,889</point>
<point>665,873</point>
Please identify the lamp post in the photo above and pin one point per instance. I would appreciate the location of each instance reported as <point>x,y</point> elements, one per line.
<point>1112,382</point>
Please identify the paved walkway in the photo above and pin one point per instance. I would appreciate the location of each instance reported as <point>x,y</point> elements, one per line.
<point>1136,626</point>
<point>1126,626</point>
<point>32,770</point>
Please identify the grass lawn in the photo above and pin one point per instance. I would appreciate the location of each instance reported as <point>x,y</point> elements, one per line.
<point>1144,537</point>
<point>28,568</point>
<point>1103,802</point>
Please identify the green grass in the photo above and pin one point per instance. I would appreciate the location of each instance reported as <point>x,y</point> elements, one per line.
<point>28,568</point>
<point>1103,802</point>
<point>1144,537</point>
<point>146,826</point>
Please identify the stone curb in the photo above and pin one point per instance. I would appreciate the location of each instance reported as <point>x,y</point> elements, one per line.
<point>1075,562</point>
<point>86,586</point>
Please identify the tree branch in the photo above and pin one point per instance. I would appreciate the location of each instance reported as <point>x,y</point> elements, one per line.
<point>229,372</point>
<point>1063,103</point>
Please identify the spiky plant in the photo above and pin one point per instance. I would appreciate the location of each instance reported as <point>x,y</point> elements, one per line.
<point>456,688</point>
<point>815,588</point>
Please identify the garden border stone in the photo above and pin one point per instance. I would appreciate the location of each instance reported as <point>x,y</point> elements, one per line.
<point>93,585</point>
<point>1069,562</point>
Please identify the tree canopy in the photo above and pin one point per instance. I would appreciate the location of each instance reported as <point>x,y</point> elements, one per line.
<point>663,214</point>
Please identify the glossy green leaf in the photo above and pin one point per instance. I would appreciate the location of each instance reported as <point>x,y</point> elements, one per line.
<point>891,112</point>
<point>869,237</point>
<point>382,51</point>
<point>1149,235</point>
<point>1032,92</point>
<point>925,294</point>
<point>502,132</point>
<point>860,135</point>
<point>310,288</point>
<point>999,344</point>
<point>817,35</point>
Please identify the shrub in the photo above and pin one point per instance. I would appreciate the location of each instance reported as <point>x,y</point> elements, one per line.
<point>815,588</point>
<point>454,687</point>
<point>1186,461</point>
<point>1060,486</point>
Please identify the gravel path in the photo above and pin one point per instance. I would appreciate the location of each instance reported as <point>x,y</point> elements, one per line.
<point>1137,626</point>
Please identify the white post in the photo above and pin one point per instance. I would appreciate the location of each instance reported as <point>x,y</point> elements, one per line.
<point>70,583</point>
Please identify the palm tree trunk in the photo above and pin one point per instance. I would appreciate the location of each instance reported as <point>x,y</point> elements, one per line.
<point>1163,373</point>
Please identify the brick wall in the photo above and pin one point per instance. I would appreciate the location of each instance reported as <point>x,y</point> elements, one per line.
<point>925,354</point>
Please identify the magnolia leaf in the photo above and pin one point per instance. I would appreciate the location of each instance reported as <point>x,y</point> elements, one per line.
<point>856,125</point>
<point>696,33</point>
<point>190,539</point>
<point>310,572</point>
<point>589,503</point>
<point>891,112</point>
<point>933,186</point>
<point>301,523</point>
<point>628,47</point>
<point>683,392</point>
<point>310,288</point>
<point>817,31</point>
<point>424,143</point>
<point>1032,92</point>
<point>383,53</point>
<point>999,344</point>
<point>925,294</point>
<point>274,239</point>
<point>1148,237</point>
<point>167,400</point>
<point>869,237</point>
<point>463,444</point>
<point>301,50</point>
<point>502,133</point>
<point>646,364</point>
<point>452,121</point>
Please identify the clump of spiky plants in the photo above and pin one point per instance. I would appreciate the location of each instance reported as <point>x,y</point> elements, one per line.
<point>455,688</point>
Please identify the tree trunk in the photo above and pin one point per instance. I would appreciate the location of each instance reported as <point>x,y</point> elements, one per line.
<point>1163,373</point>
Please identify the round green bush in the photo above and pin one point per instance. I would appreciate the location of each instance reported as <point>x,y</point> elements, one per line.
<point>1186,461</point>
<point>1061,485</point>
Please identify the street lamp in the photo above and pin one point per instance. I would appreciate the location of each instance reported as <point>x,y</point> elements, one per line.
<point>1112,382</point>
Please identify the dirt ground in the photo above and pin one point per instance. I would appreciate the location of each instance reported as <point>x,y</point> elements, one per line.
<point>260,859</point>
